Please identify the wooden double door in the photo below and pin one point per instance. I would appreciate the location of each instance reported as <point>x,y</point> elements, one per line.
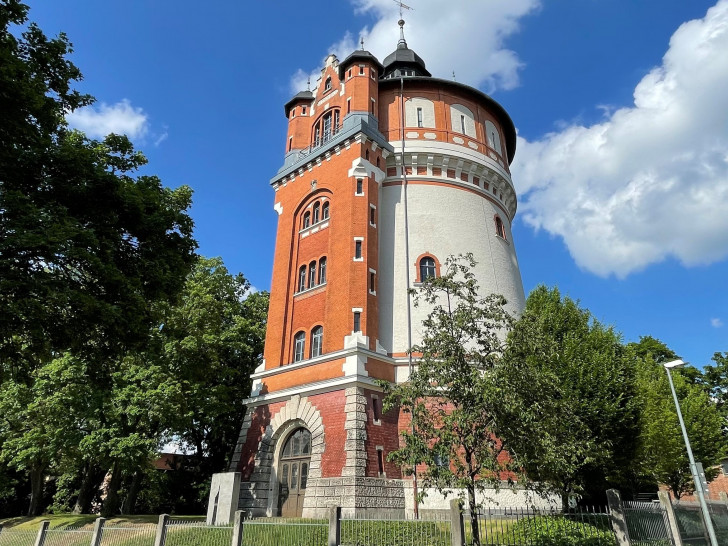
<point>293,470</point>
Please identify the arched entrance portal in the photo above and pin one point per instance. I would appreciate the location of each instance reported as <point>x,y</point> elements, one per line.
<point>295,462</point>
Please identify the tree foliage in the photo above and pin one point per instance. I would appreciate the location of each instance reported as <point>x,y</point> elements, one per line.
<point>85,242</point>
<point>568,398</point>
<point>662,454</point>
<point>450,395</point>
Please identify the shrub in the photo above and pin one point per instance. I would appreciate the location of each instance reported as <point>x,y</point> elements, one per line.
<point>560,531</point>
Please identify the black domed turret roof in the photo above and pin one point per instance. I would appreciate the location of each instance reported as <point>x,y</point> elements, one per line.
<point>358,56</point>
<point>404,57</point>
<point>301,96</point>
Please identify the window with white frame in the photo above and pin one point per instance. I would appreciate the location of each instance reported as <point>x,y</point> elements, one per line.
<point>299,346</point>
<point>317,339</point>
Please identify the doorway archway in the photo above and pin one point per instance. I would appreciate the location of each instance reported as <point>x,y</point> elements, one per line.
<point>293,471</point>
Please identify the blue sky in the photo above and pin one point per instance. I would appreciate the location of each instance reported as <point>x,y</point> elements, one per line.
<point>621,108</point>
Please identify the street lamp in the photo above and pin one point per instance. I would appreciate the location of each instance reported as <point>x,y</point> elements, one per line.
<point>693,468</point>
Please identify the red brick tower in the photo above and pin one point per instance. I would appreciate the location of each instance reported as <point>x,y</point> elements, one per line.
<point>314,435</point>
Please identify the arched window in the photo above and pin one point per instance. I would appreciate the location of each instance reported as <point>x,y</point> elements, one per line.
<point>322,270</point>
<point>500,229</point>
<point>306,220</point>
<point>297,444</point>
<point>325,211</point>
<point>427,268</point>
<point>312,274</point>
<point>317,339</point>
<point>299,346</point>
<point>302,278</point>
<point>327,85</point>
<point>316,212</point>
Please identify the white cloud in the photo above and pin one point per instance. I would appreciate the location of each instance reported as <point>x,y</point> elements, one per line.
<point>466,30</point>
<point>97,121</point>
<point>716,322</point>
<point>651,181</point>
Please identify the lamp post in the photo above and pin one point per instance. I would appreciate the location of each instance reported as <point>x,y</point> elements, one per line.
<point>693,469</point>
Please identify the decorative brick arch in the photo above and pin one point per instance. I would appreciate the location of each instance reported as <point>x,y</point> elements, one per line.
<point>417,265</point>
<point>298,412</point>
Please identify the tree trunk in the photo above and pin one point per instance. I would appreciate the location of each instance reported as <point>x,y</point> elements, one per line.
<point>111,502</point>
<point>564,501</point>
<point>36,490</point>
<point>86,493</point>
<point>129,503</point>
<point>473,514</point>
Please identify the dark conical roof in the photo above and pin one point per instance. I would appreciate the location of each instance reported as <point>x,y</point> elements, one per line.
<point>404,57</point>
<point>358,56</point>
<point>301,96</point>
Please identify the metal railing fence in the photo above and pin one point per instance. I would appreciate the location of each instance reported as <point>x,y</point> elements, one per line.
<point>690,522</point>
<point>68,536</point>
<point>647,523</point>
<point>523,527</point>
<point>285,531</point>
<point>182,532</point>
<point>371,528</point>
<point>11,537</point>
<point>128,535</point>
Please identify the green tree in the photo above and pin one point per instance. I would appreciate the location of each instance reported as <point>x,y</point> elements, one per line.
<point>212,342</point>
<point>450,396</point>
<point>85,243</point>
<point>716,379</point>
<point>568,397</point>
<point>662,454</point>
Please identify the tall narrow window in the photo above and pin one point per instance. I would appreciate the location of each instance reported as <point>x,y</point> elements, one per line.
<point>322,270</point>
<point>312,274</point>
<point>290,143</point>
<point>462,124</point>
<point>327,127</point>
<point>500,229</point>
<point>325,211</point>
<point>336,121</point>
<point>372,282</point>
<point>427,268</point>
<point>299,346</point>
<point>348,106</point>
<point>303,110</point>
<point>373,216</point>
<point>317,135</point>
<point>302,278</point>
<point>350,72</point>
<point>361,69</point>
<point>380,461</point>
<point>357,321</point>
<point>359,186</point>
<point>419,117</point>
<point>366,155</point>
<point>317,337</point>
<point>306,220</point>
<point>316,212</point>
<point>376,408</point>
<point>373,106</point>
<point>357,250</point>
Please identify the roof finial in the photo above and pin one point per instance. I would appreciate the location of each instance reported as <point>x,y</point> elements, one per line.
<point>453,76</point>
<point>308,84</point>
<point>402,42</point>
<point>362,43</point>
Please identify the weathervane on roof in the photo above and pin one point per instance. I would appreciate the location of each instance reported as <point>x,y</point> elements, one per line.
<point>308,84</point>
<point>402,6</point>
<point>362,43</point>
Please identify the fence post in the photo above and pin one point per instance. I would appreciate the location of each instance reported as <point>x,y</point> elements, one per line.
<point>335,526</point>
<point>616,517</point>
<point>674,530</point>
<point>40,539</point>
<point>161,537</point>
<point>238,528</point>
<point>98,530</point>
<point>457,529</point>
